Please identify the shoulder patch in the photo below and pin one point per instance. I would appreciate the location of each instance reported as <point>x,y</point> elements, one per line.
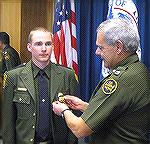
<point>4,80</point>
<point>109,86</point>
<point>76,77</point>
<point>6,56</point>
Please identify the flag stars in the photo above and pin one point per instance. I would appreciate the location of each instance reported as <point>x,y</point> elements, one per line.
<point>66,13</point>
<point>58,22</point>
<point>60,13</point>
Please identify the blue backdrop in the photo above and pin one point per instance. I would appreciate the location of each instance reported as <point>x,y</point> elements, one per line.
<point>89,14</point>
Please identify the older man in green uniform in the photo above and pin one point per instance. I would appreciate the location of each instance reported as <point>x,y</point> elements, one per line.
<point>11,57</point>
<point>118,111</point>
<point>29,91</point>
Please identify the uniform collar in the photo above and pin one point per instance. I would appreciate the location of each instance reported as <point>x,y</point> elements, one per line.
<point>5,47</point>
<point>129,60</point>
<point>36,70</point>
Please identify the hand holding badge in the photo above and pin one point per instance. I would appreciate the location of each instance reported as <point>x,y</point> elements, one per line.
<point>59,106</point>
<point>61,97</point>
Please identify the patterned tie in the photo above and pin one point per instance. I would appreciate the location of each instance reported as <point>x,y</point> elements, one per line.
<point>44,107</point>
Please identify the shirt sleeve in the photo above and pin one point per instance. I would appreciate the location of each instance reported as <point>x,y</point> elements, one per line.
<point>103,108</point>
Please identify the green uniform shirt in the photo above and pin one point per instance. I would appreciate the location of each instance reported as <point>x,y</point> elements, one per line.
<point>35,73</point>
<point>119,107</point>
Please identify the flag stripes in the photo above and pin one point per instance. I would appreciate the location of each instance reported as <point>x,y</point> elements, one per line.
<point>64,30</point>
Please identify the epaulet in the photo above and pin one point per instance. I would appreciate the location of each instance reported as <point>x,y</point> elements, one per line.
<point>63,66</point>
<point>21,65</point>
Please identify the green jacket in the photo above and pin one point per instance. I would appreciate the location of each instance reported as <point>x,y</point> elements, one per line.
<point>119,108</point>
<point>1,73</point>
<point>1,58</point>
<point>11,58</point>
<point>19,106</point>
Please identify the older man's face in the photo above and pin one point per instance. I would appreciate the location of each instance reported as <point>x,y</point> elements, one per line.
<point>107,52</point>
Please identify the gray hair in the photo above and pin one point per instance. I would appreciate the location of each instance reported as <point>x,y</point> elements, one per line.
<point>119,29</point>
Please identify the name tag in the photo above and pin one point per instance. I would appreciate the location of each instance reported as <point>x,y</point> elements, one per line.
<point>22,89</point>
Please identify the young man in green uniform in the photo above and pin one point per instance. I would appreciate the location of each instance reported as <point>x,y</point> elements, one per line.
<point>11,57</point>
<point>1,57</point>
<point>29,91</point>
<point>119,109</point>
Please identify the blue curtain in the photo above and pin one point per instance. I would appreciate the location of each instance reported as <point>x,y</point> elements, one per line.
<point>143,7</point>
<point>89,14</point>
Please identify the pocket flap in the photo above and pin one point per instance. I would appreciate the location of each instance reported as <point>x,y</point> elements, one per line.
<point>21,98</point>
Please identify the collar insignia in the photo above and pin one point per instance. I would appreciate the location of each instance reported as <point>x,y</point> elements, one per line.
<point>116,72</point>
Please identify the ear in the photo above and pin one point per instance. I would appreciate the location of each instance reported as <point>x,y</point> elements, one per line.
<point>119,46</point>
<point>53,46</point>
<point>29,47</point>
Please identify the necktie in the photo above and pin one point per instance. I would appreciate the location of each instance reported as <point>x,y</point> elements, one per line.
<point>44,107</point>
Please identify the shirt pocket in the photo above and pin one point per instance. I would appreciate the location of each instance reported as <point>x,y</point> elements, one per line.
<point>22,101</point>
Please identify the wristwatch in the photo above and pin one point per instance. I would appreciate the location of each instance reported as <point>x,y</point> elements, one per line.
<point>62,113</point>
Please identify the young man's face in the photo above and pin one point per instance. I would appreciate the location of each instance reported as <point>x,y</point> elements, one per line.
<point>41,47</point>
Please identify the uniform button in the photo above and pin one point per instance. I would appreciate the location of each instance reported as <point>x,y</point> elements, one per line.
<point>33,114</point>
<point>20,99</point>
<point>43,100</point>
<point>31,140</point>
<point>33,126</point>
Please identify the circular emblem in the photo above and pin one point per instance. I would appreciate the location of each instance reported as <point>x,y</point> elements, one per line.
<point>109,86</point>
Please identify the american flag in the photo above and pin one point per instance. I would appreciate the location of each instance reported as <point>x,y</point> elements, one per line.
<point>64,30</point>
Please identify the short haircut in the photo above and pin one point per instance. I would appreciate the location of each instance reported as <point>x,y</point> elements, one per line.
<point>37,29</point>
<point>4,37</point>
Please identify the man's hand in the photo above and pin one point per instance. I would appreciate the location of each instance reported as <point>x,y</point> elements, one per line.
<point>75,103</point>
<point>58,107</point>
